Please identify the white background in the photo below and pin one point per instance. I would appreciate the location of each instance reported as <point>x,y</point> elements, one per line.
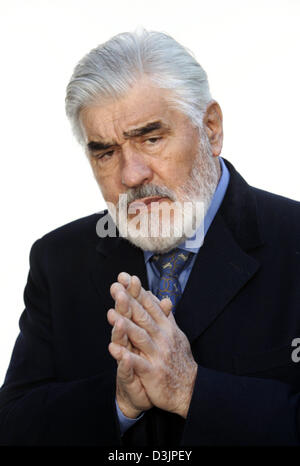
<point>249,48</point>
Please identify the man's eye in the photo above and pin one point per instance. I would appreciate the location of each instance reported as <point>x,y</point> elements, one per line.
<point>153,140</point>
<point>108,154</point>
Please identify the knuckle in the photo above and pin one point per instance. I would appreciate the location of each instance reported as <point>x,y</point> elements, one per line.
<point>149,302</point>
<point>142,336</point>
<point>144,317</point>
<point>165,349</point>
<point>153,297</point>
<point>119,325</point>
<point>121,296</point>
<point>167,352</point>
<point>126,312</point>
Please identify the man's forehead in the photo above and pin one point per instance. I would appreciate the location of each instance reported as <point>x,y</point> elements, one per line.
<point>142,105</point>
<point>101,124</point>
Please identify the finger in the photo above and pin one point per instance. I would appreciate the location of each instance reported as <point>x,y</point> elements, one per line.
<point>139,364</point>
<point>125,370</point>
<point>116,351</point>
<point>157,309</point>
<point>115,288</point>
<point>135,287</point>
<point>166,305</point>
<point>171,319</point>
<point>119,330</point>
<point>132,284</point>
<point>148,300</point>
<point>111,316</point>
<point>125,279</point>
<point>153,305</point>
<point>121,298</point>
<point>139,337</point>
<point>136,335</point>
<point>118,334</point>
<point>142,318</point>
<point>155,298</point>
<point>122,304</point>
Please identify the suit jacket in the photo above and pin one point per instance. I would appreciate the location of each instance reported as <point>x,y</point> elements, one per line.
<point>240,311</point>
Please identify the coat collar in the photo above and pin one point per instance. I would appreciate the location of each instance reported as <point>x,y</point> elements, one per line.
<point>222,267</point>
<point>240,212</point>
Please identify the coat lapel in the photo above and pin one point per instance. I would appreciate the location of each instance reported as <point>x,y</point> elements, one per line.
<point>221,269</point>
<point>223,265</point>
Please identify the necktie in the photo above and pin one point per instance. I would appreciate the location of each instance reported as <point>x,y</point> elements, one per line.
<point>170,266</point>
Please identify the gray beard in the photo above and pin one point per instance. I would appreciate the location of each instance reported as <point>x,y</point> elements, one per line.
<point>199,188</point>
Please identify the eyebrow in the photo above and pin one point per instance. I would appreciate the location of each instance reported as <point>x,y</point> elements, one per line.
<point>94,145</point>
<point>146,129</point>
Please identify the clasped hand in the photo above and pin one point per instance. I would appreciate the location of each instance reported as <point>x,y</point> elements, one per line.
<point>155,363</point>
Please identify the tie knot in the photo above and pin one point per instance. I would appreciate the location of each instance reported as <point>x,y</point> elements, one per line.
<point>171,263</point>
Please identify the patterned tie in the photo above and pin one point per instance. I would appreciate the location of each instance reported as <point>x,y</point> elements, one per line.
<point>170,266</point>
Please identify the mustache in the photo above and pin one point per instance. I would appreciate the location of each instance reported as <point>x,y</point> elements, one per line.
<point>148,190</point>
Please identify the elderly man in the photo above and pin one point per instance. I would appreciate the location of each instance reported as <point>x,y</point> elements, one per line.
<point>158,339</point>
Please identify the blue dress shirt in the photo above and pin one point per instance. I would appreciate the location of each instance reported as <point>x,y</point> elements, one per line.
<point>153,274</point>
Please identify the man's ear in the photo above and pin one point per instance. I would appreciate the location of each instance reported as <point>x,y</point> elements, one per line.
<point>213,125</point>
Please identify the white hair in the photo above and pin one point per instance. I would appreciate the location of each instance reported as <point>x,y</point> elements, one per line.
<point>110,70</point>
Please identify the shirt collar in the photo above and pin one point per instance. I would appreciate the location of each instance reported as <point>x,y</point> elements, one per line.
<point>211,211</point>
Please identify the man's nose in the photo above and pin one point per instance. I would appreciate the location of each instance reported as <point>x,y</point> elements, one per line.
<point>135,170</point>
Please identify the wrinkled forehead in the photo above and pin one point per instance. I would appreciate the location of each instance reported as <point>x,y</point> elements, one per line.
<point>142,105</point>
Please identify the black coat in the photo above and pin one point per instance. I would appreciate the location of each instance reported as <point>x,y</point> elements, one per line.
<point>240,311</point>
